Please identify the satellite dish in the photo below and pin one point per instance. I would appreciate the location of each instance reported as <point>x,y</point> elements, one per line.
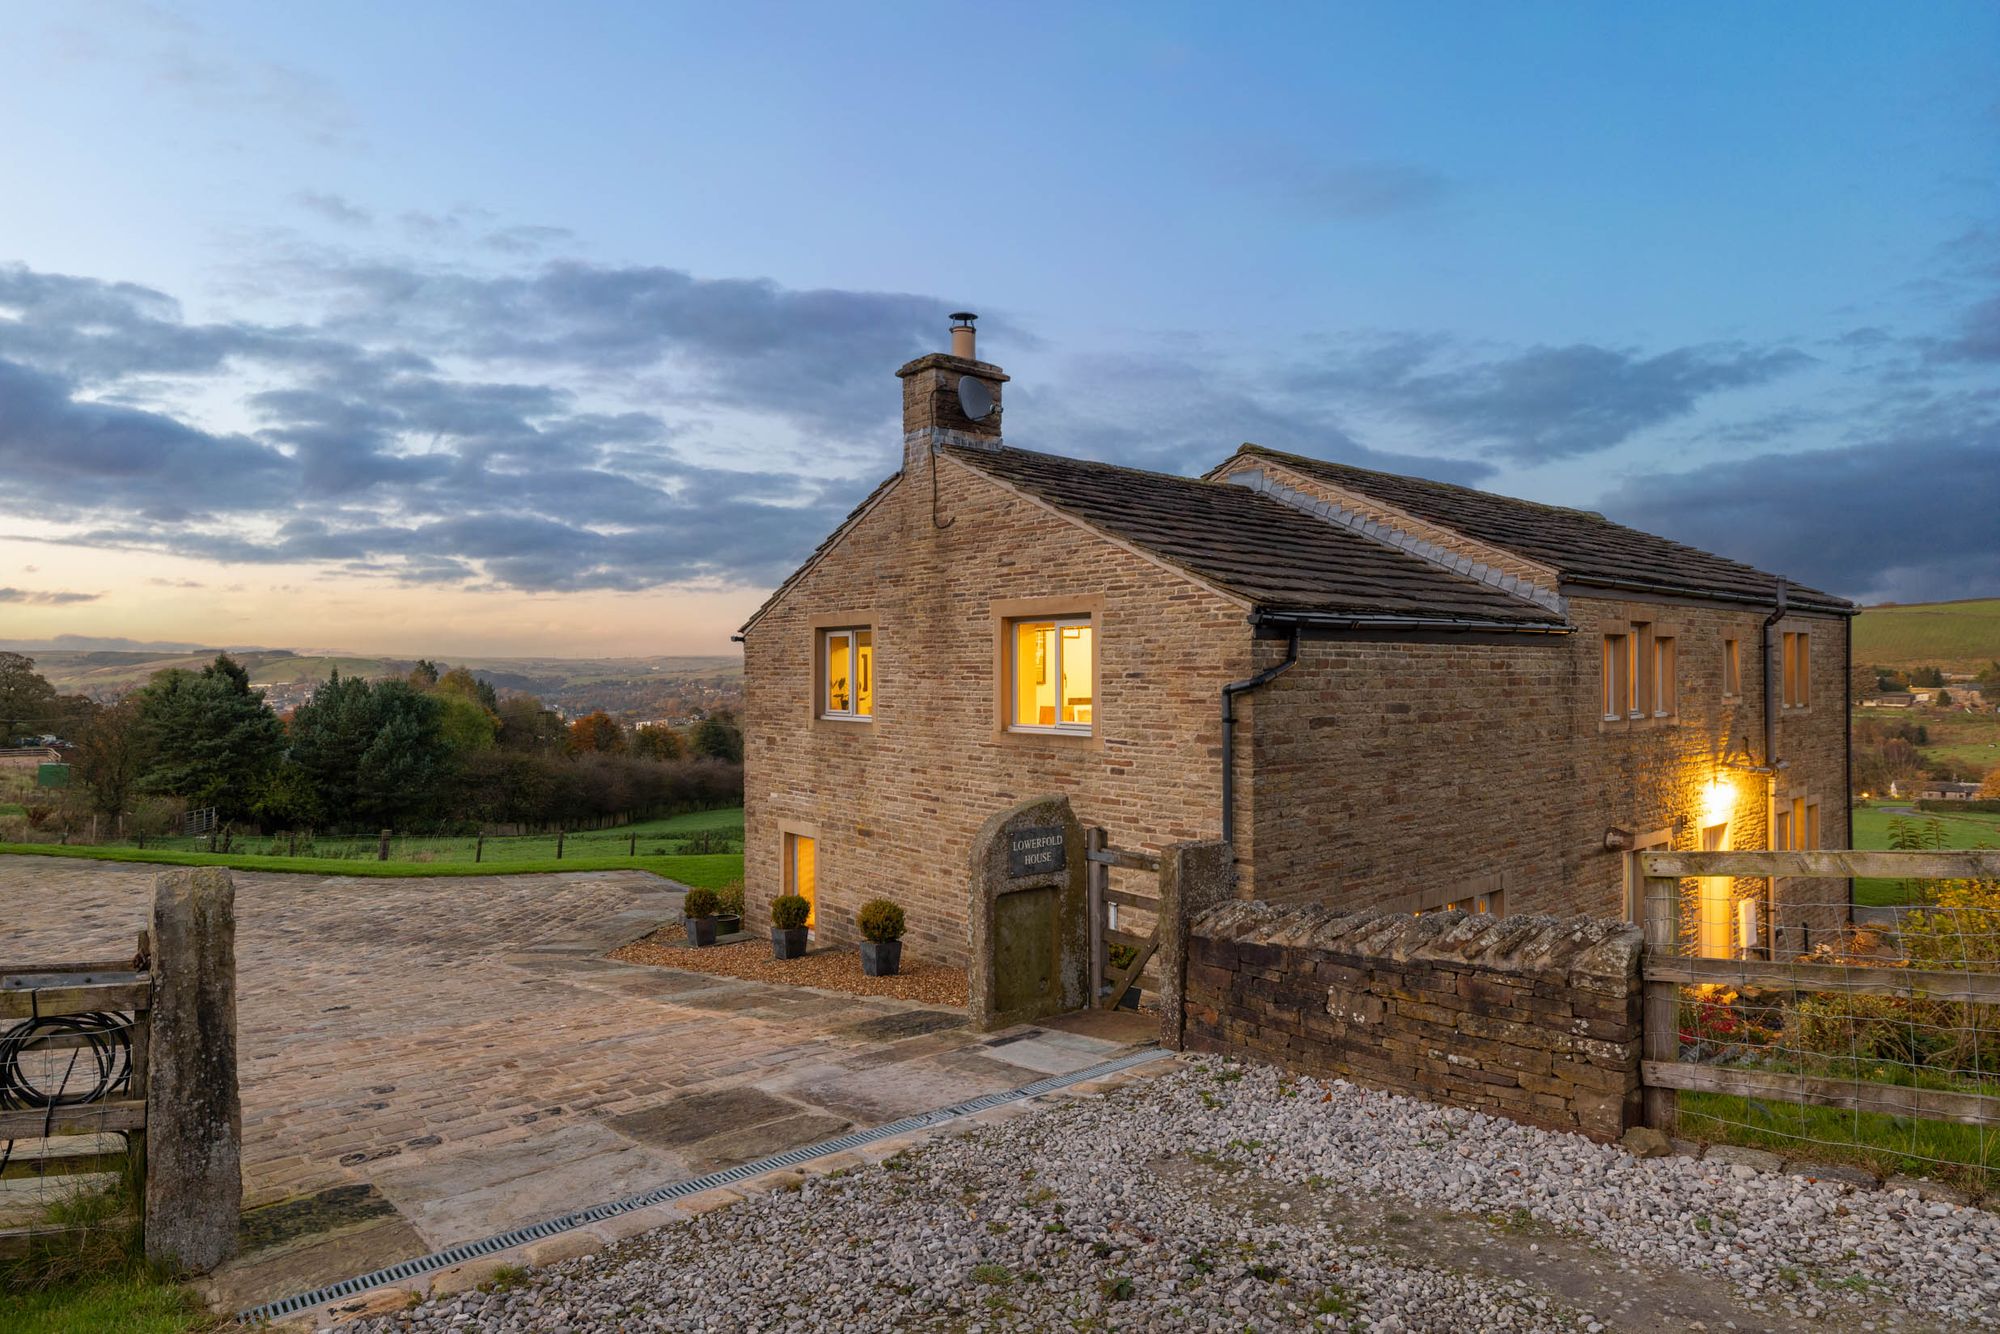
<point>975,398</point>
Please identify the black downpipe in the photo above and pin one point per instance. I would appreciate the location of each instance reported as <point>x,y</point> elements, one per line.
<point>1771,770</point>
<point>1229,694</point>
<point>1847,721</point>
<point>1771,687</point>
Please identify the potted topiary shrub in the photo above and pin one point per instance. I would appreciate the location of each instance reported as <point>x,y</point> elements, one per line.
<point>729,910</point>
<point>881,923</point>
<point>698,911</point>
<point>788,926</point>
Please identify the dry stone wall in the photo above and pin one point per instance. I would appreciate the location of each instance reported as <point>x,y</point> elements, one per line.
<point>1535,1018</point>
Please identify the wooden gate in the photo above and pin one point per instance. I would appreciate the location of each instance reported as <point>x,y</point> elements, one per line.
<point>1112,909</point>
<point>74,1045</point>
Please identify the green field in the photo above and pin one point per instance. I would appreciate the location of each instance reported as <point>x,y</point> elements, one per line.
<point>697,848</point>
<point>1871,833</point>
<point>1957,636</point>
<point>1971,741</point>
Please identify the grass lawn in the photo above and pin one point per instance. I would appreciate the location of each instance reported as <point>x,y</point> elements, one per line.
<point>710,870</point>
<point>131,1303</point>
<point>1871,832</point>
<point>1963,1156</point>
<point>728,820</point>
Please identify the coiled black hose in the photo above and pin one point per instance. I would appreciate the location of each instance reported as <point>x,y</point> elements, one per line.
<point>104,1039</point>
<point>99,1065</point>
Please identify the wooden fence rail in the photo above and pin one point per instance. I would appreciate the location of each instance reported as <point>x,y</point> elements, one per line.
<point>1664,971</point>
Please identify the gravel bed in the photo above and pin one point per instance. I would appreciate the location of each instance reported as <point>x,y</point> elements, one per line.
<point>827,969</point>
<point>1224,1197</point>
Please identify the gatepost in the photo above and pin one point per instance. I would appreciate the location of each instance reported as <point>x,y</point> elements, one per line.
<point>1030,926</point>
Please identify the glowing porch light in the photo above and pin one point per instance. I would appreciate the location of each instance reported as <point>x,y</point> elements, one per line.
<point>1717,802</point>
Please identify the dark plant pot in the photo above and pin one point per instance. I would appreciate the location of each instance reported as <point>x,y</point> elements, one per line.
<point>788,942</point>
<point>881,958</point>
<point>728,925</point>
<point>1130,1000</point>
<point>700,930</point>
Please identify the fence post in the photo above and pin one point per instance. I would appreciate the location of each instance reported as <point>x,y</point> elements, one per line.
<point>559,843</point>
<point>632,845</point>
<point>194,1115</point>
<point>1660,1029</point>
<point>382,847</point>
<point>292,844</point>
<point>1193,877</point>
<point>479,848</point>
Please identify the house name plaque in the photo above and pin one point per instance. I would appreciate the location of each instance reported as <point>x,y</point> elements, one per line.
<point>1036,851</point>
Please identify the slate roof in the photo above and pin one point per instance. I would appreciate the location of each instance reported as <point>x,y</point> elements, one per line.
<point>1277,557</point>
<point>1585,548</point>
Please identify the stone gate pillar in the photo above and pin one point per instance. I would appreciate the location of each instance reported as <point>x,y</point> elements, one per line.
<point>1030,922</point>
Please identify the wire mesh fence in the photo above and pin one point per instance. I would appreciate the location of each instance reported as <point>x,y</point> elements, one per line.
<point>1878,1045</point>
<point>70,1082</point>
<point>651,839</point>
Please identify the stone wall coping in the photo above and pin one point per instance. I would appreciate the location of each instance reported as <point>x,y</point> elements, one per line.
<point>1565,948</point>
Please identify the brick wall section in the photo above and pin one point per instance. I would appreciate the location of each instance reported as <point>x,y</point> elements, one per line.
<point>1406,774</point>
<point>894,802</point>
<point>1534,1018</point>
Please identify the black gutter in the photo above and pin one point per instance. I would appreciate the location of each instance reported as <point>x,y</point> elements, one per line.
<point>1229,694</point>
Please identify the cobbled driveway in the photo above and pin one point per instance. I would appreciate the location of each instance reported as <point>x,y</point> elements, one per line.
<point>425,1062</point>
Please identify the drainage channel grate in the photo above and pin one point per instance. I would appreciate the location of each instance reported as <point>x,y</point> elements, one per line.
<point>677,1190</point>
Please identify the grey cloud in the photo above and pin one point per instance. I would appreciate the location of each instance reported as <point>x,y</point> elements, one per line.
<point>37,598</point>
<point>1904,514</point>
<point>333,208</point>
<point>1544,403</point>
<point>1369,189</point>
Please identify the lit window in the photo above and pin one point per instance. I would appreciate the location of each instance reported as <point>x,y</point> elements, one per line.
<point>1666,688</point>
<point>1493,903</point>
<point>1732,668</point>
<point>1052,678</point>
<point>849,679</point>
<point>1713,926</point>
<point>1798,669</point>
<point>1617,675</point>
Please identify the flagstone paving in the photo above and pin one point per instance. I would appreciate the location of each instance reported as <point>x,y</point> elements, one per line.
<point>426,1062</point>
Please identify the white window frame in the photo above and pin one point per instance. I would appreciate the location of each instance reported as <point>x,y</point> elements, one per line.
<point>850,714</point>
<point>1059,728</point>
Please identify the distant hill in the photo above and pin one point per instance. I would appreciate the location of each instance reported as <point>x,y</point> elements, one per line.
<point>631,688</point>
<point>1957,636</point>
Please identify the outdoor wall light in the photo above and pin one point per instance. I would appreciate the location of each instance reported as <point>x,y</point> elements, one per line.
<point>1718,801</point>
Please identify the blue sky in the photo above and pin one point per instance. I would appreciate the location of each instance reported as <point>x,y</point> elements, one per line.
<point>519,327</point>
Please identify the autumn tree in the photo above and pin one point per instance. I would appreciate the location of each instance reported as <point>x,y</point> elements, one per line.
<point>596,733</point>
<point>109,756</point>
<point>1990,785</point>
<point>657,741</point>
<point>27,700</point>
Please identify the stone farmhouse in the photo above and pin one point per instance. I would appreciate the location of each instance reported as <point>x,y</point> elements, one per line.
<point>1381,691</point>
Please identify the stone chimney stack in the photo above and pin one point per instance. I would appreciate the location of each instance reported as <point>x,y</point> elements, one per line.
<point>934,408</point>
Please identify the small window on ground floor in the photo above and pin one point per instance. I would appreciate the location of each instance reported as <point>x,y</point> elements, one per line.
<point>1052,675</point>
<point>802,871</point>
